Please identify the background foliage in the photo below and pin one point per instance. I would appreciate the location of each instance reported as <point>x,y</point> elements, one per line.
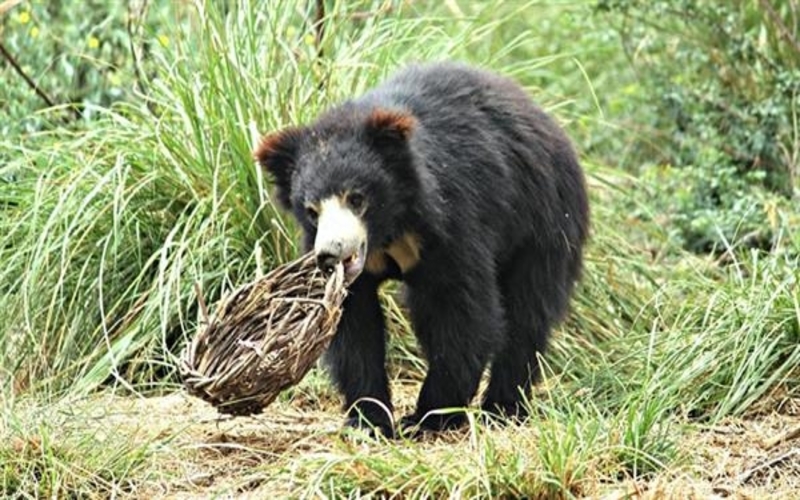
<point>723,81</point>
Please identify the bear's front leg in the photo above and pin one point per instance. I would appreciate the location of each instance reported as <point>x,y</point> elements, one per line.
<point>459,325</point>
<point>356,359</point>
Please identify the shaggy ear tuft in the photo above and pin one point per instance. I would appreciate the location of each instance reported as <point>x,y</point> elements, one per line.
<point>391,124</point>
<point>277,154</point>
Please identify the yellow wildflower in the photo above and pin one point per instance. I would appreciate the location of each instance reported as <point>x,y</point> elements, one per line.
<point>630,89</point>
<point>163,40</point>
<point>34,32</point>
<point>771,208</point>
<point>93,42</point>
<point>309,39</point>
<point>24,17</point>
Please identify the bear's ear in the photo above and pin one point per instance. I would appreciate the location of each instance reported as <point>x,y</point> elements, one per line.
<point>390,124</point>
<point>277,154</point>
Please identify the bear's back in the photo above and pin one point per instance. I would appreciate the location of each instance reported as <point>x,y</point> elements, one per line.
<point>491,147</point>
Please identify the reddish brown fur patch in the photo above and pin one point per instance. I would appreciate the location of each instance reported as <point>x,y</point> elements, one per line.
<point>395,121</point>
<point>276,146</point>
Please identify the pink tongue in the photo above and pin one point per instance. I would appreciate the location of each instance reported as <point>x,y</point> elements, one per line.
<point>351,263</point>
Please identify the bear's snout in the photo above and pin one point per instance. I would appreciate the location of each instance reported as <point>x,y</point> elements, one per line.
<point>327,260</point>
<point>352,258</point>
<point>341,237</point>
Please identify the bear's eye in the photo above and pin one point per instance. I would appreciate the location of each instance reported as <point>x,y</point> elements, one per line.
<point>356,201</point>
<point>312,214</point>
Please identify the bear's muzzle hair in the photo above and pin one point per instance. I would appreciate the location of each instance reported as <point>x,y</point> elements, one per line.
<point>341,237</point>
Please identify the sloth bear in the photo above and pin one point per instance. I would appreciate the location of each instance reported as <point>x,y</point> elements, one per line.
<point>448,178</point>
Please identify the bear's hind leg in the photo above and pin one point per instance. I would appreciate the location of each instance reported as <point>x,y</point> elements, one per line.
<point>356,359</point>
<point>535,290</point>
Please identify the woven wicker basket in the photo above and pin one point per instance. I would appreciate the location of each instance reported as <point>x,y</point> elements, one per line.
<point>264,337</point>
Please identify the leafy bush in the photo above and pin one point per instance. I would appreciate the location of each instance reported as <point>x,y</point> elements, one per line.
<point>724,79</point>
<point>713,211</point>
<point>725,76</point>
<point>79,57</point>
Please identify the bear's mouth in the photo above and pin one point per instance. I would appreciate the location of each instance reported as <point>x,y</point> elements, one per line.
<point>354,264</point>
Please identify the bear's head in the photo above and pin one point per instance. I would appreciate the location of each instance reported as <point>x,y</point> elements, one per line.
<point>349,180</point>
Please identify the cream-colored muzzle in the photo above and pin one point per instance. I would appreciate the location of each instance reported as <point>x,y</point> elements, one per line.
<point>341,237</point>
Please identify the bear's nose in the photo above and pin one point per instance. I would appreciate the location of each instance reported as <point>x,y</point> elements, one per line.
<point>326,261</point>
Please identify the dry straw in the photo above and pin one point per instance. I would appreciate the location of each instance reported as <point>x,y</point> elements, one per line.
<point>264,337</point>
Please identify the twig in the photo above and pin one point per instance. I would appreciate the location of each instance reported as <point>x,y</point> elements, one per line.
<point>788,435</point>
<point>319,27</point>
<point>14,64</point>
<point>134,31</point>
<point>202,301</point>
<point>748,474</point>
<point>8,5</point>
<point>319,32</point>
<point>8,57</point>
<point>786,34</point>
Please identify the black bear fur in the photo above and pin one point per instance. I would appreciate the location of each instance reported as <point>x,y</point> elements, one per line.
<point>490,191</point>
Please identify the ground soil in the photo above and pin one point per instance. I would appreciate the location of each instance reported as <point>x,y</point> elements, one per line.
<point>199,455</point>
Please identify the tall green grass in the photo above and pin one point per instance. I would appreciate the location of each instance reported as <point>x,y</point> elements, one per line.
<point>111,227</point>
<point>65,452</point>
<point>104,233</point>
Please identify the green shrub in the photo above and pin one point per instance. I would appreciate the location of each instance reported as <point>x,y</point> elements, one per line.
<point>78,54</point>
<point>712,211</point>
<point>724,78</point>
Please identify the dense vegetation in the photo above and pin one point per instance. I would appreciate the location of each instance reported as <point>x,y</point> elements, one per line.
<point>139,183</point>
